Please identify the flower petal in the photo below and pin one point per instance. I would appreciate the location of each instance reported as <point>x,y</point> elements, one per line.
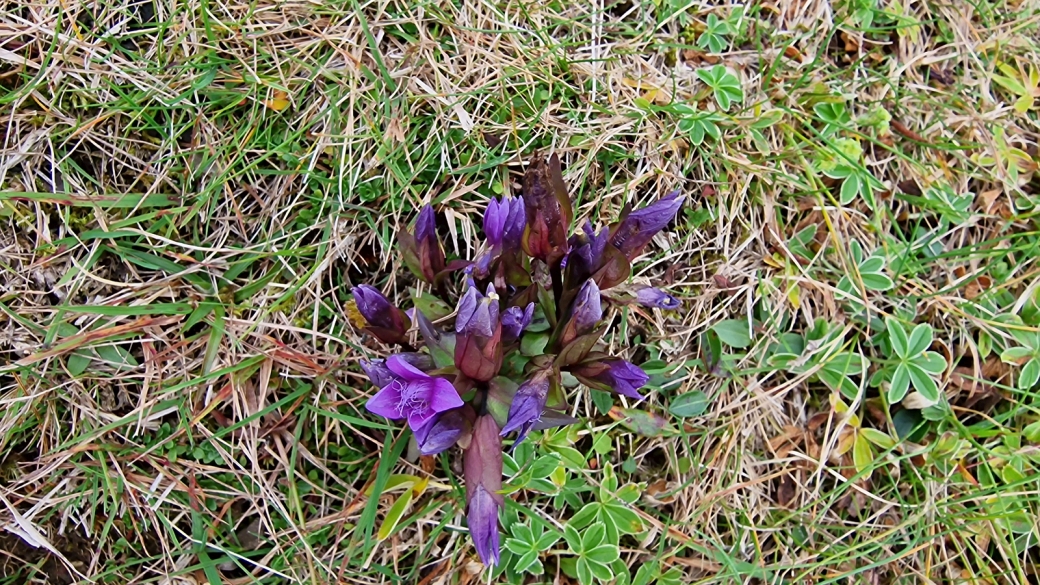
<point>386,402</point>
<point>400,366</point>
<point>443,396</point>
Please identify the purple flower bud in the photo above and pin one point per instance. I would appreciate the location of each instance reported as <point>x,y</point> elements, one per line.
<point>412,394</point>
<point>495,217</point>
<point>636,230</point>
<point>656,298</point>
<point>385,321</point>
<point>477,314</point>
<point>514,321</point>
<point>482,467</point>
<point>613,374</point>
<point>587,308</point>
<point>586,255</point>
<point>528,405</point>
<point>441,432</point>
<point>516,221</point>
<point>421,250</point>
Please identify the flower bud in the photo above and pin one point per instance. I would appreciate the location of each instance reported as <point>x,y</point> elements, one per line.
<point>636,229</point>
<point>656,298</point>
<point>527,407</point>
<point>548,211</point>
<point>422,250</point>
<point>385,321</point>
<point>442,432</point>
<point>613,374</point>
<point>586,312</point>
<point>514,321</point>
<point>482,468</point>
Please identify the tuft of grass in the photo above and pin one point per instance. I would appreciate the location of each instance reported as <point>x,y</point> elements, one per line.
<point>188,191</point>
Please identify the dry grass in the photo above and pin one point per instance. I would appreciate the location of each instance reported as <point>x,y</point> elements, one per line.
<point>190,189</point>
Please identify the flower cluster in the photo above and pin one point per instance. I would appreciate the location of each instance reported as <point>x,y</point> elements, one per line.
<point>472,386</point>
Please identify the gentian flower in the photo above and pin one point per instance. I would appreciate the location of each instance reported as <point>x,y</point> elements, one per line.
<point>586,255</point>
<point>586,312</point>
<point>528,405</point>
<point>656,298</point>
<point>385,321</point>
<point>443,431</point>
<point>516,220</point>
<point>636,230</point>
<point>478,335</point>
<point>615,375</point>
<point>482,467</point>
<point>514,321</point>
<point>422,250</point>
<point>412,394</point>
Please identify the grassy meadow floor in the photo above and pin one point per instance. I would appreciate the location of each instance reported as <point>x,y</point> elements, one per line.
<point>190,188</point>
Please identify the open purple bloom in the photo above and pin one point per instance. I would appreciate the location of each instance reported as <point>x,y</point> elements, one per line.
<point>442,431</point>
<point>636,230</point>
<point>412,394</point>
<point>656,298</point>
<point>515,320</point>
<point>482,467</point>
<point>615,375</point>
<point>528,404</point>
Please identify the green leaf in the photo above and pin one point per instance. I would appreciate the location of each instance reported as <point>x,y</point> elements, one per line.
<point>878,438</point>
<point>849,189</point>
<point>602,400</point>
<point>641,422</point>
<point>603,555</point>
<point>689,405</point>
<point>931,362</point>
<point>573,538</point>
<point>587,515</point>
<point>734,332</point>
<point>585,576</point>
<point>528,562</point>
<point>629,492</point>
<point>900,384</point>
<point>923,383</point>
<point>548,539</point>
<point>77,362</point>
<point>571,457</point>
<point>920,339</point>
<point>624,519</point>
<point>897,337</point>
<point>1014,355</point>
<point>533,344</point>
<point>393,516</point>
<point>1029,374</point>
<point>839,382</point>
<point>862,453</point>
<point>876,281</point>
<point>594,536</point>
<point>1032,432</point>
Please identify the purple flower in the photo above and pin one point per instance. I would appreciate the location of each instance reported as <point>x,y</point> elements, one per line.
<point>615,375</point>
<point>441,432</point>
<point>527,407</point>
<point>495,217</point>
<point>516,221</point>
<point>380,375</point>
<point>515,320</point>
<point>587,308</point>
<point>636,230</point>
<point>478,340</point>
<point>477,314</point>
<point>421,250</point>
<point>482,467</point>
<point>412,394</point>
<point>656,298</point>
<point>586,255</point>
<point>385,321</point>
